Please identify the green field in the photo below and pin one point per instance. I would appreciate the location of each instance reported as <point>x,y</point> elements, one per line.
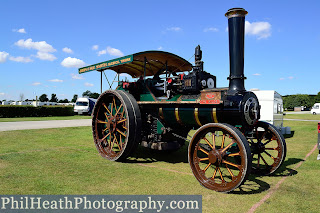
<point>45,118</point>
<point>302,116</point>
<point>65,161</point>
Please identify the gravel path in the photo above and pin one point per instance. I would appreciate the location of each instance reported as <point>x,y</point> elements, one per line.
<point>20,125</point>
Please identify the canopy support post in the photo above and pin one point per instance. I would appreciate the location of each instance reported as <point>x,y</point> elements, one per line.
<point>145,68</point>
<point>101,81</point>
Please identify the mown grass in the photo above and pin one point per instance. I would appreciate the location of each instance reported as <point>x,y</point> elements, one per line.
<point>302,116</point>
<point>45,118</point>
<point>65,161</point>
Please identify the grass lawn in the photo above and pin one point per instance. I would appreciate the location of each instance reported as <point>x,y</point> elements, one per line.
<point>302,116</point>
<point>45,118</point>
<point>65,161</point>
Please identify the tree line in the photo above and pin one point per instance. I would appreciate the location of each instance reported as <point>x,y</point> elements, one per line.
<point>44,97</point>
<point>298,100</point>
<point>54,98</point>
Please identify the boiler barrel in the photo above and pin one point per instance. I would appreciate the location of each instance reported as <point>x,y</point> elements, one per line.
<point>194,116</point>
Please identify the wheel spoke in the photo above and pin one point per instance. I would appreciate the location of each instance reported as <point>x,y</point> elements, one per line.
<point>214,173</point>
<point>202,150</point>
<point>118,144</point>
<point>227,147</point>
<point>234,154</point>
<point>114,102</point>
<point>123,120</point>
<point>231,164</point>
<point>259,155</point>
<point>269,154</point>
<point>222,179</point>
<point>118,109</point>
<point>214,140</point>
<point>124,135</point>
<point>205,169</point>
<point>113,142</point>
<point>267,142</point>
<point>230,172</point>
<point>271,148</point>
<point>223,139</point>
<point>105,136</point>
<point>264,161</point>
<point>203,159</point>
<point>106,108</point>
<point>101,122</point>
<point>208,142</point>
<point>106,116</point>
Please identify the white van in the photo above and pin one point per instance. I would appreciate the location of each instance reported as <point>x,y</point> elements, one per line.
<point>315,109</point>
<point>84,106</point>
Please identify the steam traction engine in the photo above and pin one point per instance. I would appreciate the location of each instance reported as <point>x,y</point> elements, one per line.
<point>164,104</point>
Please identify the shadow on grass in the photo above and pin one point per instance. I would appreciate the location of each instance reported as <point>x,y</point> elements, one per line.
<point>251,186</point>
<point>254,185</point>
<point>145,155</point>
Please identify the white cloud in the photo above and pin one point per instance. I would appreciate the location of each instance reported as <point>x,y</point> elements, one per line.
<point>95,47</point>
<point>160,48</point>
<point>102,52</point>
<point>210,29</point>
<point>77,76</point>
<point>41,46</point>
<point>281,79</point>
<point>72,62</point>
<point>21,59</point>
<point>22,30</point>
<point>259,29</point>
<point>56,80</point>
<point>174,29</point>
<point>2,93</point>
<point>114,52</point>
<point>3,56</point>
<point>88,84</point>
<point>111,51</point>
<point>67,50</point>
<point>291,77</point>
<point>256,74</point>
<point>45,56</point>
<point>36,84</point>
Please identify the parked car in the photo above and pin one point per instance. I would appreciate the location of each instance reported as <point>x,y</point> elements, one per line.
<point>315,109</point>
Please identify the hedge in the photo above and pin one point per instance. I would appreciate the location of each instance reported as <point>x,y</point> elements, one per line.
<point>31,111</point>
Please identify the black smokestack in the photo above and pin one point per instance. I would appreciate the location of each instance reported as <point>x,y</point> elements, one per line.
<point>236,20</point>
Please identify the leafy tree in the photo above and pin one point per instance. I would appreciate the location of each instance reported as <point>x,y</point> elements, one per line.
<point>317,98</point>
<point>54,98</point>
<point>64,101</point>
<point>43,98</point>
<point>94,95</point>
<point>90,94</point>
<point>86,94</point>
<point>74,99</point>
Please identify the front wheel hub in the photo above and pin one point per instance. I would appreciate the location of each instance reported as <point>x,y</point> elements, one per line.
<point>215,157</point>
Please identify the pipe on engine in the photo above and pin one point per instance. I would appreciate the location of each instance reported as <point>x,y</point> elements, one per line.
<point>236,21</point>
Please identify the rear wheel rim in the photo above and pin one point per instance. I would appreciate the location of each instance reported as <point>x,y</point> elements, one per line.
<point>111,127</point>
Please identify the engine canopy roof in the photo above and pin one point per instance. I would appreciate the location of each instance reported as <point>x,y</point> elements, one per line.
<point>148,62</point>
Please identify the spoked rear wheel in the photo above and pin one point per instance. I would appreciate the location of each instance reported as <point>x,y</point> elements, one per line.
<point>219,156</point>
<point>116,125</point>
<point>268,148</point>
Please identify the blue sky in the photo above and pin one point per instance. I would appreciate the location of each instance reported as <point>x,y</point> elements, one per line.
<point>43,42</point>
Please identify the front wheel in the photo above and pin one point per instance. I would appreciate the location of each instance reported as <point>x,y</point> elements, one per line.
<point>219,157</point>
